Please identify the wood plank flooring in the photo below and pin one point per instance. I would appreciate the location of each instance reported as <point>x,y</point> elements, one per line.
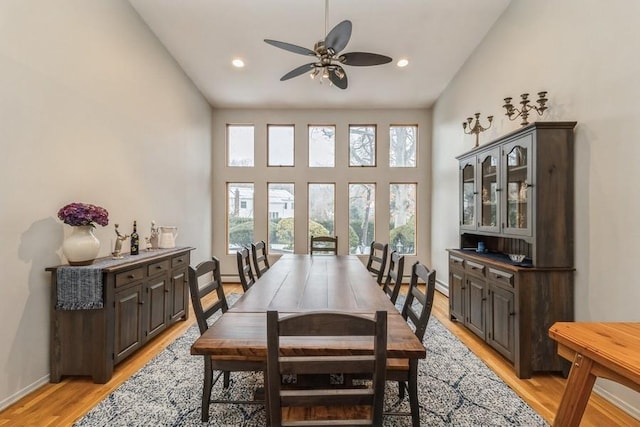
<point>63,403</point>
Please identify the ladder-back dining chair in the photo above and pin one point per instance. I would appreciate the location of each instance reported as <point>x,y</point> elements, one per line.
<point>204,281</point>
<point>247,279</point>
<point>377,262</point>
<point>345,405</point>
<point>259,256</point>
<point>324,245</point>
<point>416,310</point>
<point>393,282</point>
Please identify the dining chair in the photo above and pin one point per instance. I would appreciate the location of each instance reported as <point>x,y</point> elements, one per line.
<point>393,282</point>
<point>324,244</point>
<point>378,260</point>
<point>247,279</point>
<point>360,404</point>
<point>416,310</point>
<point>204,280</point>
<point>259,256</point>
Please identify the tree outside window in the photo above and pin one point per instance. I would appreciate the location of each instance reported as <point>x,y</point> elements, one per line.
<point>402,146</point>
<point>322,146</point>
<point>362,145</point>
<point>402,229</point>
<point>362,205</point>
<point>240,216</point>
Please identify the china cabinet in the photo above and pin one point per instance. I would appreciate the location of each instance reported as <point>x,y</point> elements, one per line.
<point>516,197</point>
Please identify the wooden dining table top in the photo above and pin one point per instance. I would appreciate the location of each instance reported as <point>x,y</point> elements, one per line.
<point>303,283</point>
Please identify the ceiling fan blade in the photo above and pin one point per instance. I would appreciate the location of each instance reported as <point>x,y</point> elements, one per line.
<point>334,77</point>
<point>298,71</point>
<point>339,36</point>
<point>363,59</point>
<point>290,47</point>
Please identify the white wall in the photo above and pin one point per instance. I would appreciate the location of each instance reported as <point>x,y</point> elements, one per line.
<point>585,53</point>
<point>341,175</point>
<point>93,109</point>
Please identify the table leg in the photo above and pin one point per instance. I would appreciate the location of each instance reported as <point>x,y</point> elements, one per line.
<point>576,393</point>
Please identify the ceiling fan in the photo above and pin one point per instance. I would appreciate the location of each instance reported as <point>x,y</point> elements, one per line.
<point>328,62</point>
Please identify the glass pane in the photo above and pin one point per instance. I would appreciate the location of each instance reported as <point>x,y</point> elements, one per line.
<point>402,231</point>
<point>321,209</point>
<point>402,147</point>
<point>240,145</point>
<point>322,143</point>
<point>240,217</point>
<point>517,188</point>
<point>489,193</point>
<point>362,205</point>
<point>468,195</point>
<point>281,224</point>
<point>362,145</point>
<point>280,145</point>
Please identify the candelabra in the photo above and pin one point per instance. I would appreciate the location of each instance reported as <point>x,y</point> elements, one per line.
<point>513,112</point>
<point>476,128</point>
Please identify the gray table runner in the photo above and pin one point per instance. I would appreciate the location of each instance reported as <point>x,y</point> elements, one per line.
<point>80,287</point>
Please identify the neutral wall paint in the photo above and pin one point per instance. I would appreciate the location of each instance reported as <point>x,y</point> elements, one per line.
<point>340,175</point>
<point>585,53</point>
<point>92,109</point>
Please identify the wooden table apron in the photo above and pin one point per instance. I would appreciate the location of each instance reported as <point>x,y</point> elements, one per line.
<point>302,283</point>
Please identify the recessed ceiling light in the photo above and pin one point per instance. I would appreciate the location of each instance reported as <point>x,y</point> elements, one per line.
<point>403,62</point>
<point>238,63</point>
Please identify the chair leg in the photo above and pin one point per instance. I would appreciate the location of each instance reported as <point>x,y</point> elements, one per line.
<point>206,389</point>
<point>401,389</point>
<point>413,392</point>
<point>226,377</point>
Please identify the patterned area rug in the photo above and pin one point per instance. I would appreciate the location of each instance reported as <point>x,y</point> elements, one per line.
<point>455,388</point>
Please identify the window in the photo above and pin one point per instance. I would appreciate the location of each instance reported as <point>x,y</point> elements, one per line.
<point>402,227</point>
<point>281,145</point>
<point>362,205</point>
<point>402,146</point>
<point>281,224</point>
<point>362,145</point>
<point>321,209</point>
<point>240,145</point>
<point>322,146</point>
<point>240,215</point>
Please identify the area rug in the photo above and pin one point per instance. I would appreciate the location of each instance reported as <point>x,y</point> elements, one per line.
<point>455,388</point>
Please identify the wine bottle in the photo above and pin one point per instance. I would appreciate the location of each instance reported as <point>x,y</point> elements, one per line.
<point>135,240</point>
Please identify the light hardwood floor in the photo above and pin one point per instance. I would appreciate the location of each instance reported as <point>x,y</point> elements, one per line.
<point>63,403</point>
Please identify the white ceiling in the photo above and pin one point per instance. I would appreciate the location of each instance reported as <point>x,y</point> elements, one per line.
<point>437,36</point>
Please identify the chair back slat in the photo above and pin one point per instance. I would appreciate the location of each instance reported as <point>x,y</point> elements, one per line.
<point>260,259</point>
<point>323,244</point>
<point>377,262</point>
<point>243,258</point>
<point>420,316</point>
<point>394,276</point>
<point>203,280</point>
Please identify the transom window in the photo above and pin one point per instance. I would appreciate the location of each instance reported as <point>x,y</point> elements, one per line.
<point>281,145</point>
<point>402,146</point>
<point>240,141</point>
<point>362,145</point>
<point>322,146</point>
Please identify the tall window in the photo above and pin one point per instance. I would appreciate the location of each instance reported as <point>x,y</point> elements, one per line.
<point>322,146</point>
<point>240,145</point>
<point>322,209</point>
<point>281,145</point>
<point>362,145</point>
<point>402,146</point>
<point>362,205</point>
<point>240,215</point>
<point>281,223</point>
<point>402,227</point>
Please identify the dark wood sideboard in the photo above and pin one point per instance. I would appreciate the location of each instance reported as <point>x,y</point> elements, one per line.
<point>141,297</point>
<point>516,197</point>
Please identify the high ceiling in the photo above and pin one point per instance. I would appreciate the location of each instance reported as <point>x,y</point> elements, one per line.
<point>436,36</point>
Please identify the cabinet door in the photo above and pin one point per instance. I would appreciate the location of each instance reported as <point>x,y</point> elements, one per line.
<point>456,295</point>
<point>157,290</point>
<point>517,196</point>
<point>489,199</point>
<point>501,321</point>
<point>475,319</point>
<point>179,295</point>
<point>468,194</point>
<point>129,305</point>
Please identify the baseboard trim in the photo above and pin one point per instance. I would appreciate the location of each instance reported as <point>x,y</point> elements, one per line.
<point>442,287</point>
<point>615,400</point>
<point>4,404</point>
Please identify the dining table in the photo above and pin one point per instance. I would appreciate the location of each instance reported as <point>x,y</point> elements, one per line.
<point>299,283</point>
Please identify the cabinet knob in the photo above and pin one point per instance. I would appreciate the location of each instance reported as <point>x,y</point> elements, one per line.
<point>141,302</point>
<point>513,313</point>
<point>158,267</point>
<point>166,291</point>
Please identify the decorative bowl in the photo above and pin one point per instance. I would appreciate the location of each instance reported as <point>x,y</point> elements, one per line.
<point>517,257</point>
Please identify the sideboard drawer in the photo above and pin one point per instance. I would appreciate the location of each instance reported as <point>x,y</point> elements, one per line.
<point>129,276</point>
<point>500,276</point>
<point>158,267</point>
<point>180,261</point>
<point>456,262</point>
<point>474,268</point>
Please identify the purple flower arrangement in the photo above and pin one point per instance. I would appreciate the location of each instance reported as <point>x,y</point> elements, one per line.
<point>83,214</point>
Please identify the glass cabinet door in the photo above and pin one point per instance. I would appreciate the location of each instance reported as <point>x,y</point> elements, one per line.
<point>489,201</point>
<point>468,192</point>
<point>518,186</point>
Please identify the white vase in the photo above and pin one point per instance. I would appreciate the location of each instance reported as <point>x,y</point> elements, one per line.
<point>81,247</point>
